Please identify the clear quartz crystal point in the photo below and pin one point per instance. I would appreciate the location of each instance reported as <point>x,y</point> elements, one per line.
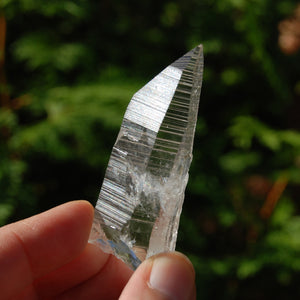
<point>137,213</point>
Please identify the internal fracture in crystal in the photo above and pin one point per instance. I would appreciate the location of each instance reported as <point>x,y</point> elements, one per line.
<point>139,206</point>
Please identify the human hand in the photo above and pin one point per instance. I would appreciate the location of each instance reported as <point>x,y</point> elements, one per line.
<point>47,257</point>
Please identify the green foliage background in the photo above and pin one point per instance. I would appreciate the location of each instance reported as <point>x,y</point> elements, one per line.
<point>71,68</point>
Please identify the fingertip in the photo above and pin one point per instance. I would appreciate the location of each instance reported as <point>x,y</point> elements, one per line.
<point>179,257</point>
<point>83,208</point>
<point>78,218</point>
<point>172,275</point>
<point>84,203</point>
<point>163,276</point>
<point>81,205</point>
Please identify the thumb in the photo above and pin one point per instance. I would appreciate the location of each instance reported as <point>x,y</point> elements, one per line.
<point>165,276</point>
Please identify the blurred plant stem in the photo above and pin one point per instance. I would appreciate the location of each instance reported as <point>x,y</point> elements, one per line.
<point>273,197</point>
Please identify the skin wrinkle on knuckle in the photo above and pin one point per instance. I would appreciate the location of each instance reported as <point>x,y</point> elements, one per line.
<point>25,252</point>
<point>26,258</point>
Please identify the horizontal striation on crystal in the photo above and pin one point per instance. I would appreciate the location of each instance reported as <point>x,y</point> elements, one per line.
<point>137,213</point>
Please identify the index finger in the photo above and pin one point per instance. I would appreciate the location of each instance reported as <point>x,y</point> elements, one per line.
<point>40,244</point>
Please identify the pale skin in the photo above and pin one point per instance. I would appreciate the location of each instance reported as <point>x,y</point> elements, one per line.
<point>48,256</point>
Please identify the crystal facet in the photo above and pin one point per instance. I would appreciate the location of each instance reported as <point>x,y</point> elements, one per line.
<point>137,213</point>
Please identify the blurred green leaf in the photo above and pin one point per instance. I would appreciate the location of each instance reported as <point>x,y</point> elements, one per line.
<point>248,268</point>
<point>237,162</point>
<point>5,212</point>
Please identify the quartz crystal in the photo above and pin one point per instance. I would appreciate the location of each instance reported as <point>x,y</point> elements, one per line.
<point>137,213</point>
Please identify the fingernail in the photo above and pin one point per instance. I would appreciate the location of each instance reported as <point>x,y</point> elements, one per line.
<point>172,276</point>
